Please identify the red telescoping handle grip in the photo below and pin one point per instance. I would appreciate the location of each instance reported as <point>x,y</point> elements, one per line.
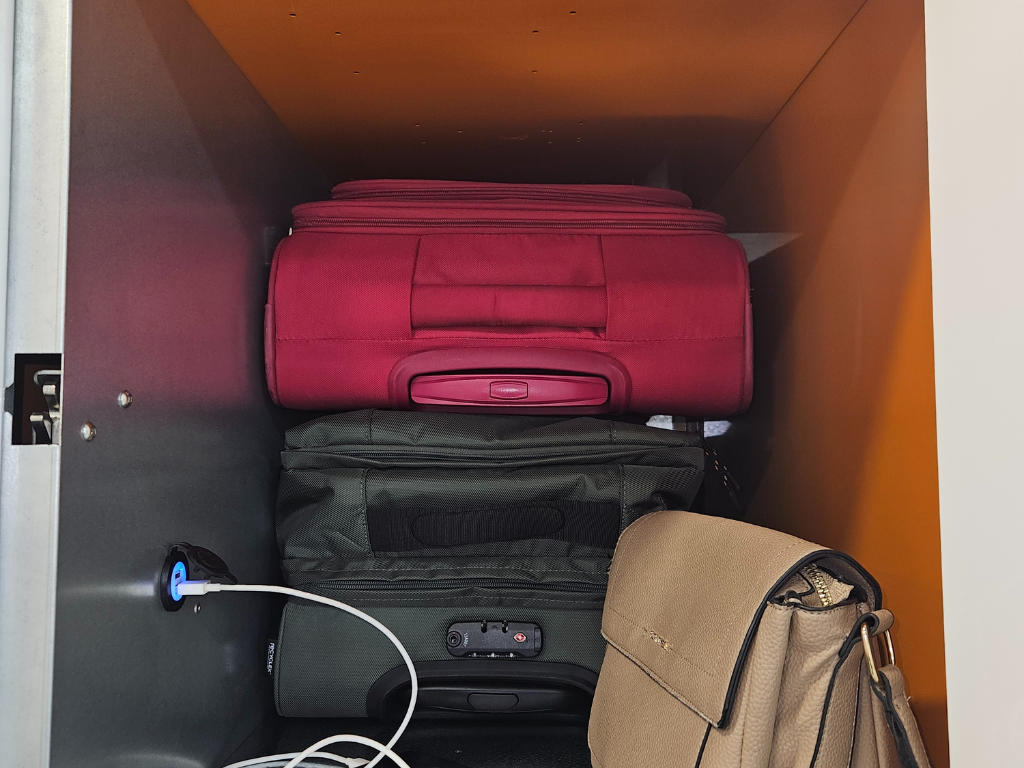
<point>529,380</point>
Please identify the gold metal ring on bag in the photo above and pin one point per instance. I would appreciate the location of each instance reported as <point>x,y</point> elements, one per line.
<point>869,652</point>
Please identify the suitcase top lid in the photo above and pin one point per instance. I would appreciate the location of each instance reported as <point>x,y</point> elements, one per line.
<point>417,190</point>
<point>409,207</point>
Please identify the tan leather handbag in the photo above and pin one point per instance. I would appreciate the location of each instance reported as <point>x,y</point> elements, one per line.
<point>734,645</point>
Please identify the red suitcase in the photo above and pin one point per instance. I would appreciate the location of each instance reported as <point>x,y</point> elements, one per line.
<point>543,298</point>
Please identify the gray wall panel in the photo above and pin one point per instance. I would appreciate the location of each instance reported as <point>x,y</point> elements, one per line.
<point>179,171</point>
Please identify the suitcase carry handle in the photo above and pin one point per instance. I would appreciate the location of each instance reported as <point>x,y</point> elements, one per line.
<point>530,380</point>
<point>485,686</point>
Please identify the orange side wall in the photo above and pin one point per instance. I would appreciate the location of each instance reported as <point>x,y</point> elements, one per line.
<point>839,446</point>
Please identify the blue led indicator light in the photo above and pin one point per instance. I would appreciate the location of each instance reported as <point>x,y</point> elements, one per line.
<point>178,575</point>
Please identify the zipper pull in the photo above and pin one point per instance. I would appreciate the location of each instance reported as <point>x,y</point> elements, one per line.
<point>725,478</point>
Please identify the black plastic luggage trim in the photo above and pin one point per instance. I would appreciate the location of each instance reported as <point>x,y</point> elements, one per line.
<point>568,687</point>
<point>594,524</point>
<point>414,585</point>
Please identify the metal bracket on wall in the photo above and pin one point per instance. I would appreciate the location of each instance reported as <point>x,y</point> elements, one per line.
<point>46,424</point>
<point>33,400</point>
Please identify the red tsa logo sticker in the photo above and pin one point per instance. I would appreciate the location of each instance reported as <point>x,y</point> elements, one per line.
<point>519,637</point>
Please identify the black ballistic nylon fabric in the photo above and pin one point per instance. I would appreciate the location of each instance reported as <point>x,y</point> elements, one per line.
<point>403,530</point>
<point>426,519</point>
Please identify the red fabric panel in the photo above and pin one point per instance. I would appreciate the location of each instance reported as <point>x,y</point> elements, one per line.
<point>524,334</point>
<point>444,306</point>
<point>351,287</point>
<point>696,377</point>
<point>675,287</point>
<point>509,259</point>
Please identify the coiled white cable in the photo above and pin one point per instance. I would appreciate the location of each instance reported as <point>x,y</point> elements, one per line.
<point>383,750</point>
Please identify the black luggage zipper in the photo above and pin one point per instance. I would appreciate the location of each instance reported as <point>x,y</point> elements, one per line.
<point>413,585</point>
<point>328,222</point>
<point>503,455</point>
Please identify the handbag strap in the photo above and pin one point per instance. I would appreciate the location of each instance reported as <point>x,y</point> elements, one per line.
<point>889,688</point>
<point>891,692</point>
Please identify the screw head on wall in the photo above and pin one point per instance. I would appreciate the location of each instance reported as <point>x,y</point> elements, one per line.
<point>88,431</point>
<point>124,398</point>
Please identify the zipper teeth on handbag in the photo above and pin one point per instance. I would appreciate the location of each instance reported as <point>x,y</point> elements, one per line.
<point>663,224</point>
<point>817,579</point>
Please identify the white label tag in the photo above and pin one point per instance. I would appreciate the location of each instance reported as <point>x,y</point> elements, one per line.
<point>271,646</point>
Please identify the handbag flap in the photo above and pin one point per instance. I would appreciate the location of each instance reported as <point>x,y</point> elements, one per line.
<point>686,593</point>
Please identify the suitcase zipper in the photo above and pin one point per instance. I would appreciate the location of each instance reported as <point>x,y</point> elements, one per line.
<point>439,454</point>
<point>489,195</point>
<point>416,585</point>
<point>333,222</point>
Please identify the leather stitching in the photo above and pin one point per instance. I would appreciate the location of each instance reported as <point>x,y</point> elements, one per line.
<point>731,621</point>
<point>647,630</point>
<point>658,680</point>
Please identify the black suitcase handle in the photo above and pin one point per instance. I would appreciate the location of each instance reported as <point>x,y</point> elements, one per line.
<point>484,686</point>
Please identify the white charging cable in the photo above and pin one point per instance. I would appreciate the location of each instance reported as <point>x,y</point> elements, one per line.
<point>383,750</point>
<point>279,761</point>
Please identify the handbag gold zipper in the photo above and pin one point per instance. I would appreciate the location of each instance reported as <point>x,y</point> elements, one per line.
<point>820,584</point>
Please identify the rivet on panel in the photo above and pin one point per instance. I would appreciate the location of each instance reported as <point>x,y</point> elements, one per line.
<point>88,431</point>
<point>572,13</point>
<point>536,31</point>
<point>197,608</point>
<point>356,72</point>
<point>534,71</point>
<point>293,15</point>
<point>337,33</point>
<point>124,398</point>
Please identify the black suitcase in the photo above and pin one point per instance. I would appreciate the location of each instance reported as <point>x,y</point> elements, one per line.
<point>482,541</point>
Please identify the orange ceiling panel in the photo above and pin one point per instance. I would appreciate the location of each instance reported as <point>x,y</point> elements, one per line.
<point>573,90</point>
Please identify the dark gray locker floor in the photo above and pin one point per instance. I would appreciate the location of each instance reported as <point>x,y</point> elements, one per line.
<point>475,744</point>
